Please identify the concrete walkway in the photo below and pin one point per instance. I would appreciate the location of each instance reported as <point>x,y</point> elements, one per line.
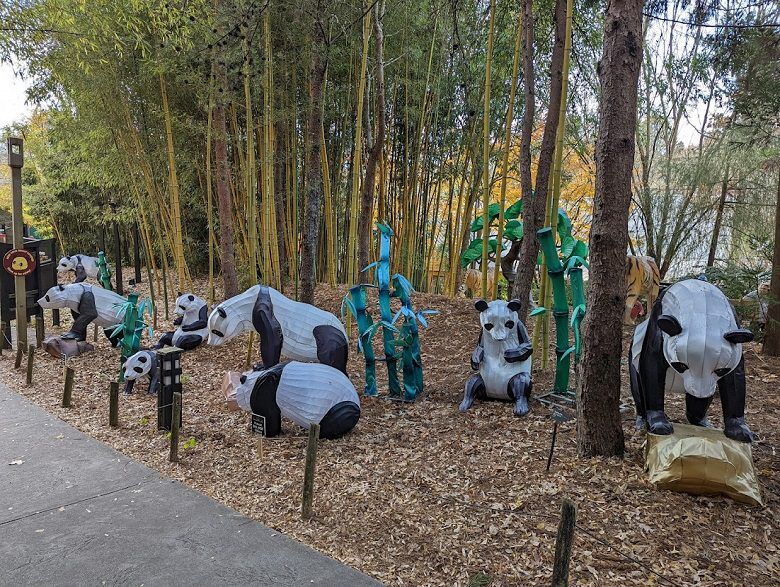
<point>76,512</point>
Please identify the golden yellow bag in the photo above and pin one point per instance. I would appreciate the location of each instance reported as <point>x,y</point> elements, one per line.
<point>702,461</point>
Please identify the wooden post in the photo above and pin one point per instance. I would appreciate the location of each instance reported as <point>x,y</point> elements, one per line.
<point>68,390</point>
<point>176,416</point>
<point>308,475</point>
<point>563,543</point>
<point>30,356</point>
<point>40,330</point>
<point>2,334</point>
<point>113,405</point>
<point>95,333</point>
<point>19,353</point>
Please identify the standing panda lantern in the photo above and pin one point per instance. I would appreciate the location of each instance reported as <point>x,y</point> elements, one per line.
<point>502,357</point>
<point>298,331</point>
<point>83,266</point>
<point>692,344</point>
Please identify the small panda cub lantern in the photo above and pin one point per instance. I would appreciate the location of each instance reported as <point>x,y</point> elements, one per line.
<point>141,364</point>
<point>306,393</point>
<point>83,266</point>
<point>690,344</point>
<point>502,357</point>
<point>192,320</point>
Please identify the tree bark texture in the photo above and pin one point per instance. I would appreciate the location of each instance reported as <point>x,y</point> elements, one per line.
<point>772,336</point>
<point>535,202</point>
<point>724,189</point>
<point>599,430</point>
<point>314,194</point>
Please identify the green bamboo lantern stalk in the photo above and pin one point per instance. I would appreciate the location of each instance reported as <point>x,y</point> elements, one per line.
<point>578,305</point>
<point>365,331</point>
<point>383,281</point>
<point>104,272</point>
<point>412,359</point>
<point>560,308</point>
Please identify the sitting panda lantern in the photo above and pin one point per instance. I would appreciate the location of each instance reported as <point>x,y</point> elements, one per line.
<point>192,323</point>
<point>502,357</point>
<point>296,330</point>
<point>306,393</point>
<point>692,344</point>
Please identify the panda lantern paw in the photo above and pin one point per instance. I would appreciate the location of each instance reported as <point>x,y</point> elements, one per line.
<point>640,423</point>
<point>658,423</point>
<point>736,429</point>
<point>521,407</point>
<point>465,404</point>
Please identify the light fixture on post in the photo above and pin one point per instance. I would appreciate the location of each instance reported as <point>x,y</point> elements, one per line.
<point>169,367</point>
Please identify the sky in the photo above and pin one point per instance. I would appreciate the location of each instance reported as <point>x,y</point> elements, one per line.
<point>12,96</point>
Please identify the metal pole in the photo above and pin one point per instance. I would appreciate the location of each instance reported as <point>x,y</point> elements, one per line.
<point>117,253</point>
<point>136,254</point>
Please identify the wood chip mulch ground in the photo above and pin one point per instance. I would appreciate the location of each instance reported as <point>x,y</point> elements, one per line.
<point>419,494</point>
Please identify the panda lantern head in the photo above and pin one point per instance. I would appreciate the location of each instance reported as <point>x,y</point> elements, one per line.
<point>244,390</point>
<point>138,365</point>
<point>226,322</point>
<point>66,264</point>
<point>187,302</point>
<point>55,297</point>
<point>699,356</point>
<point>498,318</point>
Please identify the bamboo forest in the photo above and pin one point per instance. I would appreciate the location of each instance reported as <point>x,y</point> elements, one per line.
<point>454,252</point>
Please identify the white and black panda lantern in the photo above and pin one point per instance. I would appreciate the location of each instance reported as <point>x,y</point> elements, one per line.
<point>83,266</point>
<point>88,304</point>
<point>192,320</point>
<point>298,331</point>
<point>692,344</point>
<point>306,393</point>
<point>141,364</point>
<point>502,357</point>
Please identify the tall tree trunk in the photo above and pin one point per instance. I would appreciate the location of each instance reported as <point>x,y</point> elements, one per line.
<point>227,253</point>
<point>724,189</point>
<point>534,201</point>
<point>599,430</point>
<point>375,152</point>
<point>772,337</point>
<point>313,206</point>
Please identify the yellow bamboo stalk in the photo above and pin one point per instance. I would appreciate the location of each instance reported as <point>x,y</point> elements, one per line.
<point>174,190</point>
<point>250,173</point>
<point>507,147</point>
<point>486,156</point>
<point>209,194</point>
<point>270,206</point>
<point>330,220</point>
<point>352,270</point>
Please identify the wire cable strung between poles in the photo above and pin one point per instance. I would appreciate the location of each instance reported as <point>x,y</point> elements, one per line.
<point>712,26</point>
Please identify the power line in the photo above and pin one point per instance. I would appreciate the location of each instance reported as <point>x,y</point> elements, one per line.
<point>713,26</point>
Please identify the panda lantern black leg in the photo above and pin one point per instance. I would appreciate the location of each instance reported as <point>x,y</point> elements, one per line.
<point>696,410</point>
<point>474,387</point>
<point>165,340</point>
<point>732,391</point>
<point>519,388</point>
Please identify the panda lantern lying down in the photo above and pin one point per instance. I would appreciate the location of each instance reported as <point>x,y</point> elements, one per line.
<point>691,343</point>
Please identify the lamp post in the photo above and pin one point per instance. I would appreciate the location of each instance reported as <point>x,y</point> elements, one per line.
<point>16,162</point>
<point>169,366</point>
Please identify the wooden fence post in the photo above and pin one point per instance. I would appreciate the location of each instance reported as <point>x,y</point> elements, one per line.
<point>68,390</point>
<point>175,418</point>
<point>563,543</point>
<point>308,475</point>
<point>19,354</point>
<point>113,405</point>
<point>40,330</point>
<point>30,356</point>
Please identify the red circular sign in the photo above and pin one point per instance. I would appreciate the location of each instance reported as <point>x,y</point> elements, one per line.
<point>19,262</point>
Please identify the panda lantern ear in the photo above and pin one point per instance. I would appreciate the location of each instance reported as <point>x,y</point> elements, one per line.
<point>669,325</point>
<point>514,305</point>
<point>481,305</point>
<point>62,287</point>
<point>142,359</point>
<point>191,298</point>
<point>741,335</point>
